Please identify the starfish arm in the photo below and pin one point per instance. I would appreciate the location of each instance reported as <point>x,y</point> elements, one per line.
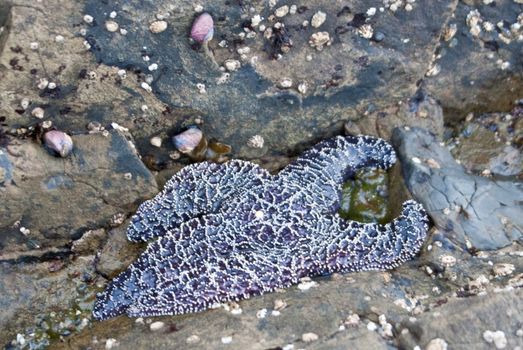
<point>195,190</point>
<point>205,261</point>
<point>338,245</point>
<point>322,169</point>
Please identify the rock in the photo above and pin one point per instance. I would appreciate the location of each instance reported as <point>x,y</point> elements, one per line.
<point>30,292</point>
<point>117,253</point>
<point>419,110</point>
<point>89,242</point>
<point>5,14</point>
<point>488,144</point>
<point>479,73</point>
<point>58,199</point>
<point>464,321</point>
<point>357,72</point>
<point>473,211</point>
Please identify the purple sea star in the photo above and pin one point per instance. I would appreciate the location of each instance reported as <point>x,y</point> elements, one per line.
<point>230,231</point>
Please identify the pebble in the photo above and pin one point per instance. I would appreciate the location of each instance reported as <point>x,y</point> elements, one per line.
<point>352,320</point>
<point>309,337</point>
<point>20,339</point>
<point>226,340</point>
<point>156,326</point>
<point>153,67</point>
<point>202,29</point>
<point>38,112</point>
<point>261,313</point>
<point>318,19</point>
<point>188,140</point>
<point>34,45</point>
<point>24,103</point>
<point>156,141</point>
<point>122,73</point>
<point>497,337</point>
<point>88,19</point>
<point>302,88</point>
<point>306,284</point>
<point>51,86</point>
<point>371,326</point>
<point>111,343</point>
<point>378,37</point>
<point>285,83</point>
<point>437,344</point>
<point>371,11</point>
<point>158,26</point>
<point>282,11</point>
<point>111,26</point>
<point>193,339</point>
<point>279,304</point>
<point>256,20</point>
<point>146,87</point>
<point>42,84</point>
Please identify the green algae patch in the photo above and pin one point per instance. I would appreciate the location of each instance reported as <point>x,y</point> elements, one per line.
<point>365,198</point>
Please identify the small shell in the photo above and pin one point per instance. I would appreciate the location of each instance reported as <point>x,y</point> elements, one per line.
<point>187,141</point>
<point>158,27</point>
<point>111,26</point>
<point>59,142</point>
<point>203,28</point>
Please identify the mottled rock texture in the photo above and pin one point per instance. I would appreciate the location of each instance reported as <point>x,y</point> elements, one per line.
<point>57,199</point>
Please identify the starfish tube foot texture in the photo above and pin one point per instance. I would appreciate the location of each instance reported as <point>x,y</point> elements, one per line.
<point>229,231</point>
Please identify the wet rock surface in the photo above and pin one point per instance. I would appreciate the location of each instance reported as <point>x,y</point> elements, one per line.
<point>490,144</point>
<point>353,75</point>
<point>476,212</point>
<point>47,299</point>
<point>123,78</point>
<point>477,66</point>
<point>49,201</point>
<point>456,322</point>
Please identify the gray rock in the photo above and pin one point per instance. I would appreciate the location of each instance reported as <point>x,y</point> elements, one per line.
<point>420,110</point>
<point>345,79</point>
<point>472,76</point>
<point>89,242</point>
<point>117,253</point>
<point>29,289</point>
<point>48,201</point>
<point>473,211</point>
<point>462,322</point>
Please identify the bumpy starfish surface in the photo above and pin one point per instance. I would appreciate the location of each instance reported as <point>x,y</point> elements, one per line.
<point>230,231</point>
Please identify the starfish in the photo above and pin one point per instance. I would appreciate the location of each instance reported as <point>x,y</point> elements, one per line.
<point>229,231</point>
